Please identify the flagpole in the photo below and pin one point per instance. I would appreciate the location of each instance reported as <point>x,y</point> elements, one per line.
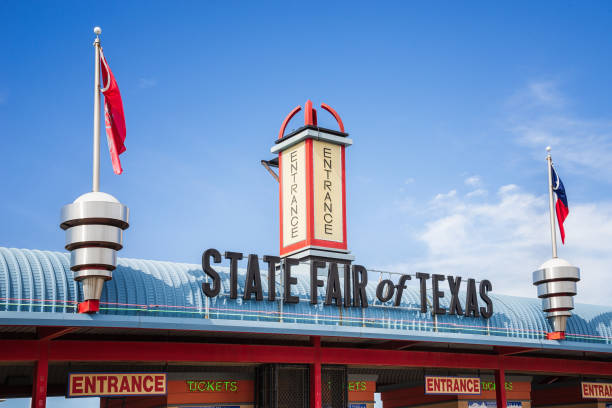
<point>96,126</point>
<point>553,232</point>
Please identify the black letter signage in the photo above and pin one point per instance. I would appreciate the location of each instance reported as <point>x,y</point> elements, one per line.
<point>290,280</point>
<point>347,293</point>
<point>208,270</point>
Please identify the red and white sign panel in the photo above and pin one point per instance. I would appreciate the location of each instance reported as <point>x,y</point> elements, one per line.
<point>597,390</point>
<point>452,385</point>
<point>112,384</point>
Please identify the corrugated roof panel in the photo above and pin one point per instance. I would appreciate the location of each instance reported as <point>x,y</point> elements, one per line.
<point>41,281</point>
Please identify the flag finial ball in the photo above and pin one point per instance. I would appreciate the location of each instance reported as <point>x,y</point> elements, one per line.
<point>97,30</point>
<point>548,149</point>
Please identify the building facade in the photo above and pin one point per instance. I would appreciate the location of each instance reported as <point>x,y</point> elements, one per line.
<point>154,318</point>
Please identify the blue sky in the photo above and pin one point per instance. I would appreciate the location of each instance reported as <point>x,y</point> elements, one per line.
<point>450,106</point>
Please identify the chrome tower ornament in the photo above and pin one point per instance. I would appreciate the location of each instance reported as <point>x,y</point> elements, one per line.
<point>556,282</point>
<point>94,225</point>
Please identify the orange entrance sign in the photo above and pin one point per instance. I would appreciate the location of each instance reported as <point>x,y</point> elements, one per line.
<point>452,385</point>
<point>111,384</point>
<point>596,390</point>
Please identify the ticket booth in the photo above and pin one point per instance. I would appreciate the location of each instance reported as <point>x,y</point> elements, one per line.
<point>573,394</point>
<point>231,390</point>
<point>195,389</point>
<point>518,393</point>
<point>361,389</point>
<point>268,385</point>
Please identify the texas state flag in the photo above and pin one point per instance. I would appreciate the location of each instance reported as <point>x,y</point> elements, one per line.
<point>562,208</point>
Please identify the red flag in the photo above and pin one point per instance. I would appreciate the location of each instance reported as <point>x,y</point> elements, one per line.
<point>113,115</point>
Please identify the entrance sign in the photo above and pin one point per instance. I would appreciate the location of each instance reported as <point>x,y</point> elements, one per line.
<point>112,384</point>
<point>293,191</point>
<point>311,162</point>
<point>328,166</point>
<point>596,390</point>
<point>452,385</point>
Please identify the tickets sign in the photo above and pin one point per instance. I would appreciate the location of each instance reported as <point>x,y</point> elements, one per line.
<point>111,384</point>
<point>212,386</point>
<point>452,385</point>
<point>596,390</point>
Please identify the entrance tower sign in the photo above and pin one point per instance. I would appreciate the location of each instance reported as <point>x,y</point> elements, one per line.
<point>312,191</point>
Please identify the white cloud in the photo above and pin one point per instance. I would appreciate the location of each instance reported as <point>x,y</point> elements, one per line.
<point>146,83</point>
<point>443,197</point>
<point>473,181</point>
<point>538,117</point>
<point>477,193</point>
<point>546,93</point>
<point>506,237</point>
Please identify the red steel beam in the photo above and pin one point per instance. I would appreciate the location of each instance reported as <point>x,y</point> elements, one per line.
<point>39,382</point>
<point>510,351</point>
<point>52,332</point>
<point>69,350</point>
<point>19,350</point>
<point>408,358</point>
<point>393,345</point>
<point>78,350</point>
<point>316,396</point>
<point>557,365</point>
<point>464,360</point>
<point>500,388</point>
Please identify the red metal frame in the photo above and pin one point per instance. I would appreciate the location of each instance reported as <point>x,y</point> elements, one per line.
<point>334,114</point>
<point>500,388</point>
<point>41,372</point>
<point>310,114</point>
<point>316,398</point>
<point>310,117</point>
<point>46,350</point>
<point>134,351</point>
<point>52,332</point>
<point>295,110</point>
<point>280,197</point>
<point>309,193</point>
<point>510,351</point>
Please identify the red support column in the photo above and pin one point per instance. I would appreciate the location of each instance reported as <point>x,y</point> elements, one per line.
<point>41,369</point>
<point>316,400</point>
<point>500,388</point>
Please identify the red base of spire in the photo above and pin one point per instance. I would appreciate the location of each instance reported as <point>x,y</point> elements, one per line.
<point>89,306</point>
<point>555,336</point>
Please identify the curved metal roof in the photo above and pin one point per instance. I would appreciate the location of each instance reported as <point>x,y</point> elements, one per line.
<point>38,287</point>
